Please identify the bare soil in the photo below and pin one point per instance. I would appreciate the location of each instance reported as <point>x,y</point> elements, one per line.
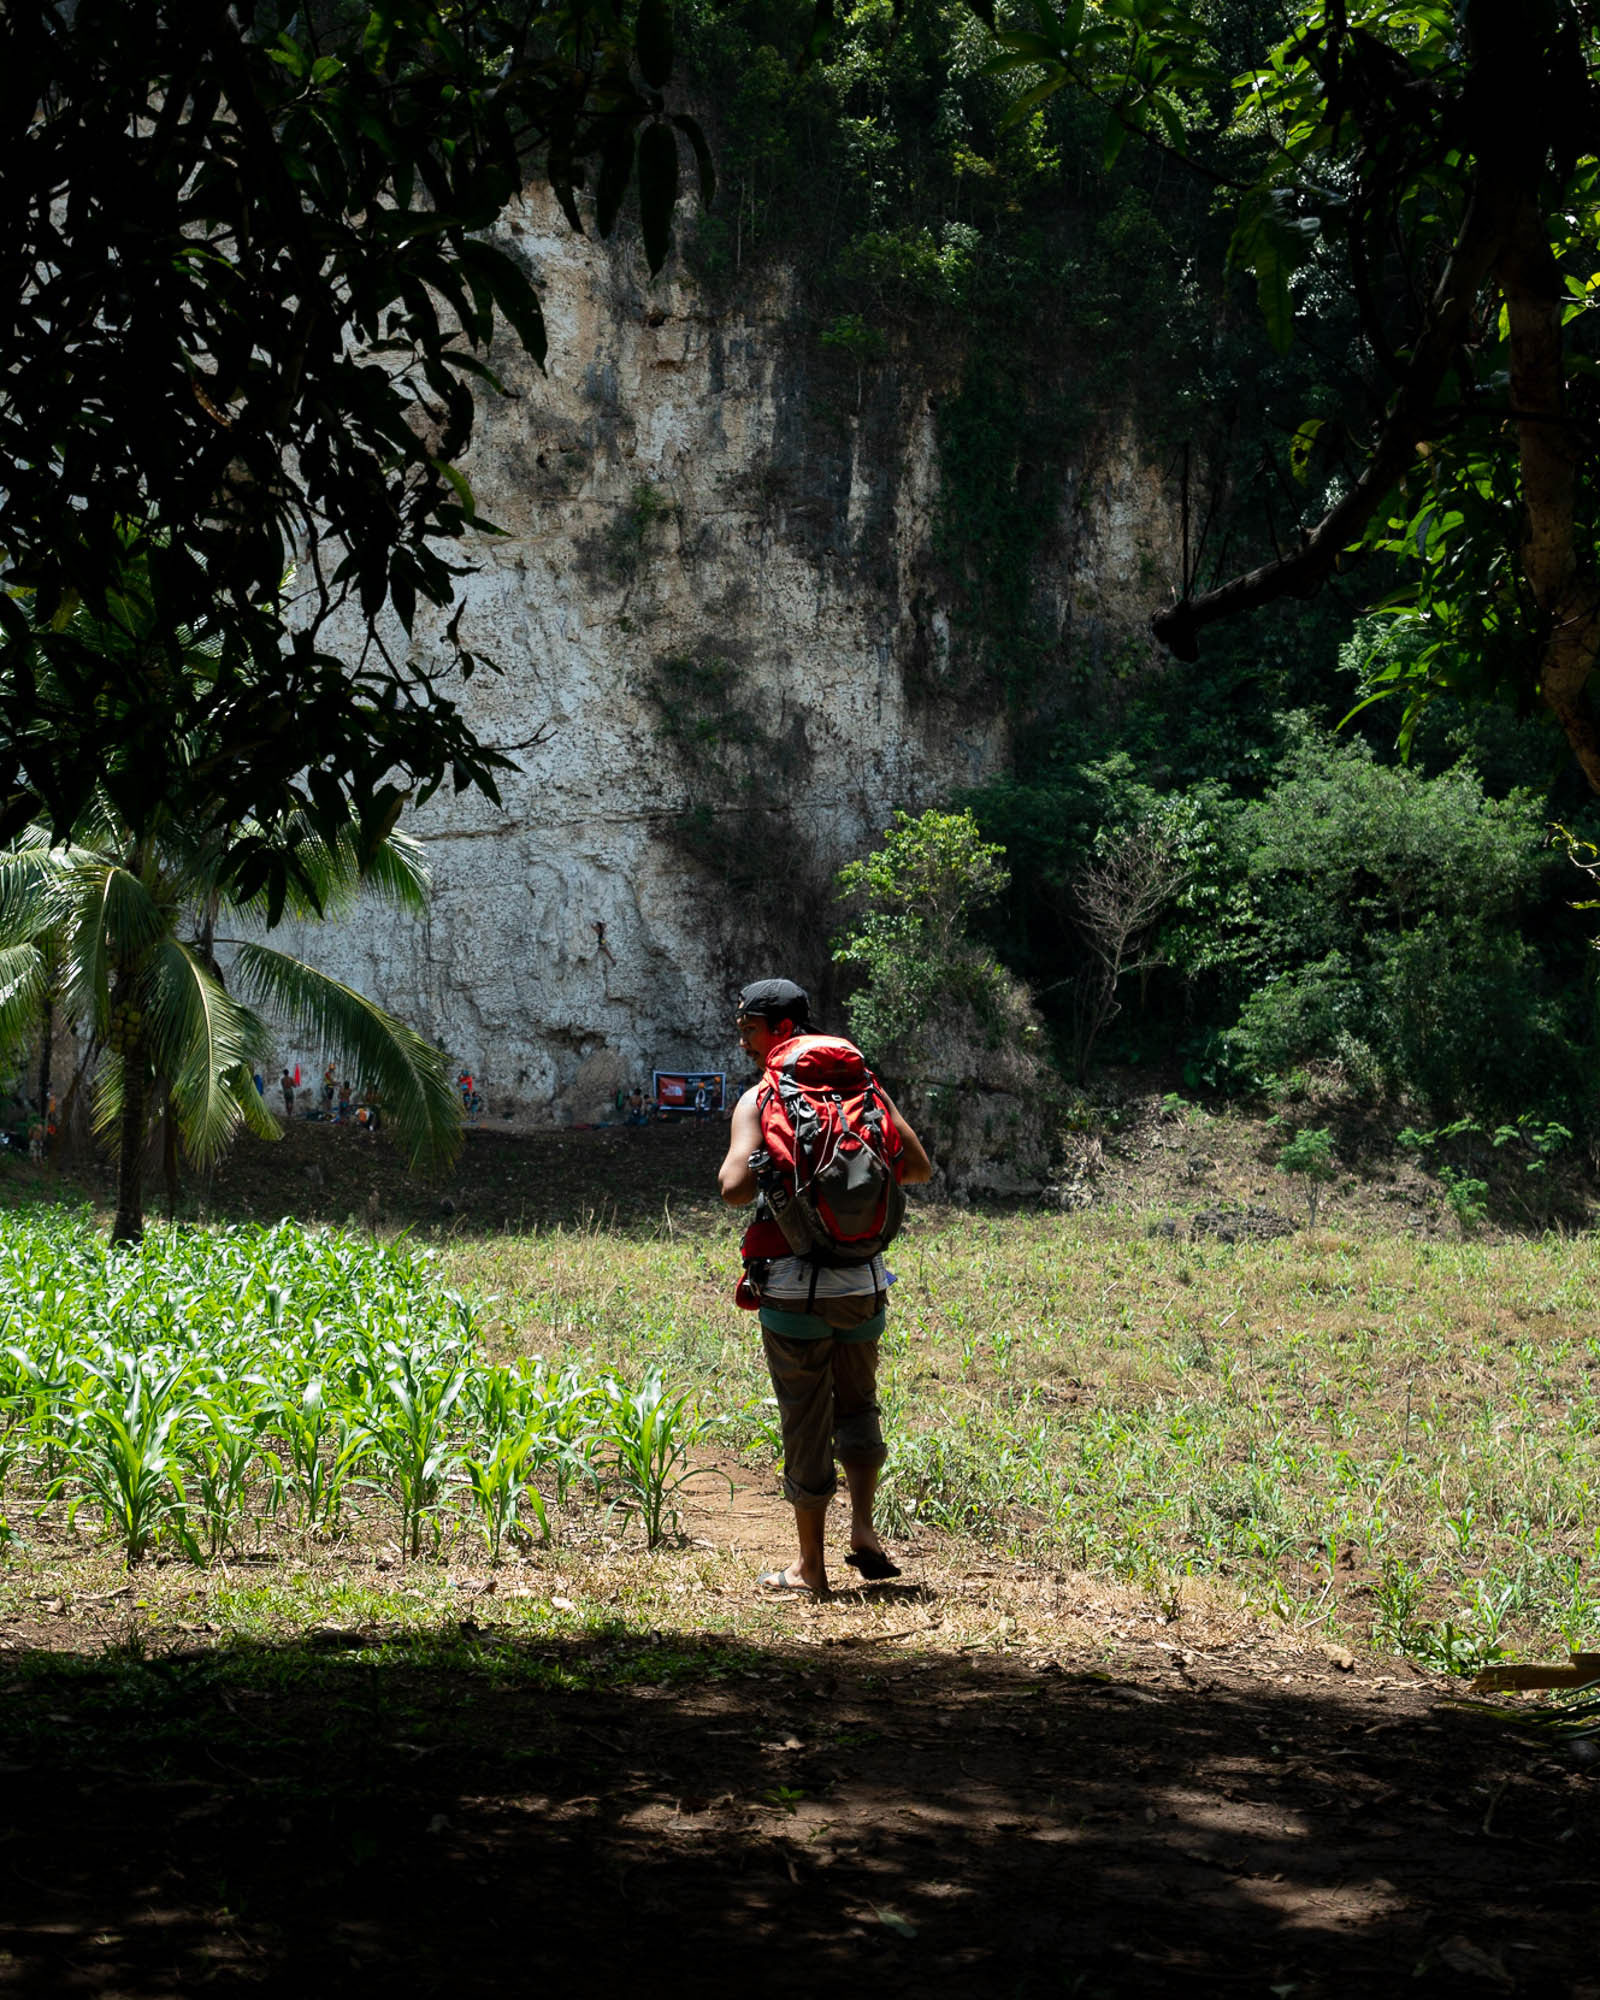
<point>979,1779</point>
<point>1195,1171</point>
<point>612,1176</point>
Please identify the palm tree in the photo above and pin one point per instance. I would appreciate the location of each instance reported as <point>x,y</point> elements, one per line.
<point>122,932</point>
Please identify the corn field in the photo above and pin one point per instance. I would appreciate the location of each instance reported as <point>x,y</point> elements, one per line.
<point>208,1390</point>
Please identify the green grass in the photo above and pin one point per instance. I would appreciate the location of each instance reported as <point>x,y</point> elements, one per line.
<point>1368,1438</point>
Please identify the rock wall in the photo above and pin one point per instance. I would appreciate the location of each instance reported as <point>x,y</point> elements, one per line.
<point>727,658</point>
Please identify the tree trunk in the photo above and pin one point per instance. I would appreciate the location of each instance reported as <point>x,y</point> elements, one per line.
<point>1551,453</point>
<point>169,1155</point>
<point>46,1052</point>
<point>129,1225</point>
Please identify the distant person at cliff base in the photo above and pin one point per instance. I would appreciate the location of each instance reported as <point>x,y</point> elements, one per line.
<point>286,1085</point>
<point>822,1312</point>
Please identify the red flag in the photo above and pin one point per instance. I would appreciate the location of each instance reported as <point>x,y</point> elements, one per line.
<point>297,1075</point>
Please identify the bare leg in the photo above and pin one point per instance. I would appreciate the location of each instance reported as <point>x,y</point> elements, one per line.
<point>809,1570</point>
<point>861,1479</point>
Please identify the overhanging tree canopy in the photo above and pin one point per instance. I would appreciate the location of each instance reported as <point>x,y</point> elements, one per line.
<point>1439,163</point>
<point>244,301</point>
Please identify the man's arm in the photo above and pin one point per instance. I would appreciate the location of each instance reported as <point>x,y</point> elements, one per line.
<point>917,1166</point>
<point>735,1177</point>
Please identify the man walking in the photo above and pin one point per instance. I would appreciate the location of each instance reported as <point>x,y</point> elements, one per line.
<point>820,1326</point>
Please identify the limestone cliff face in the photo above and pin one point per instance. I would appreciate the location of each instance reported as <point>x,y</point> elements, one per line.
<point>727,658</point>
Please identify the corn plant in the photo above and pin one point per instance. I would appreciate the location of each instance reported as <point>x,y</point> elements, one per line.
<point>648,1437</point>
<point>13,1443</point>
<point>321,1451</point>
<point>120,1447</point>
<point>566,1415</point>
<point>495,1401</point>
<point>279,1369</point>
<point>39,1386</point>
<point>500,1482</point>
<point>407,1429</point>
<point>220,1451</point>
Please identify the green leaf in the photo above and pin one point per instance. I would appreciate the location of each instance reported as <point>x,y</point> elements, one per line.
<point>658,191</point>
<point>1024,106</point>
<point>652,42</point>
<point>512,291</point>
<point>616,170</point>
<point>1270,241</point>
<point>1301,446</point>
<point>1023,46</point>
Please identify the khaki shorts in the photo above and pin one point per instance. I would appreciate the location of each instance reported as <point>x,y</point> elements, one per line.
<point>827,1409</point>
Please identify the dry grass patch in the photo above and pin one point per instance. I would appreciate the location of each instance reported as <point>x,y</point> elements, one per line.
<point>1368,1437</point>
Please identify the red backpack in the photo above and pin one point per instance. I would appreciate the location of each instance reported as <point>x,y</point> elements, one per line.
<point>831,1158</point>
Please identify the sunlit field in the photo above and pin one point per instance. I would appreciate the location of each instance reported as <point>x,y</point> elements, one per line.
<point>1371,1440</point>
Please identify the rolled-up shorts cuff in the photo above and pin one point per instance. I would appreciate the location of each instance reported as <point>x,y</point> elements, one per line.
<point>858,1440</point>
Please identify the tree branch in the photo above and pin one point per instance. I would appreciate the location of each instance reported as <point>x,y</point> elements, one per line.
<point>1303,570</point>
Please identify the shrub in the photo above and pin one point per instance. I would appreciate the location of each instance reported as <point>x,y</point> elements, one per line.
<point>1309,1158</point>
<point>937,1011</point>
<point>1376,921</point>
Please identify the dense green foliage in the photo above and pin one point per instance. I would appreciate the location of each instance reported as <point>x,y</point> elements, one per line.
<point>1433,168</point>
<point>914,898</point>
<point>1405,926</point>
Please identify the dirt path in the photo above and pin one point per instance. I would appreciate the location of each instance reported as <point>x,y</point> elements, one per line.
<point>1080,1800</point>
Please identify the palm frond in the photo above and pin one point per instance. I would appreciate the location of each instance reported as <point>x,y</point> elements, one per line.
<point>200,1036</point>
<point>107,1105</point>
<point>397,874</point>
<point>252,1111</point>
<point>112,916</point>
<point>33,885</point>
<point>23,984</point>
<point>328,879</point>
<point>419,1101</point>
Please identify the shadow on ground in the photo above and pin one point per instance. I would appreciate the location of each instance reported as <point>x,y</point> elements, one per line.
<point>470,1811</point>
